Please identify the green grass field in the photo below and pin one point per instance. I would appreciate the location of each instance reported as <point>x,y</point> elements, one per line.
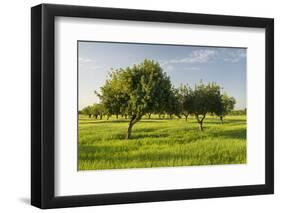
<point>160,143</point>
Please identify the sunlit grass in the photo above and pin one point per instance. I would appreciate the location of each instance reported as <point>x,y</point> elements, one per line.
<point>160,143</point>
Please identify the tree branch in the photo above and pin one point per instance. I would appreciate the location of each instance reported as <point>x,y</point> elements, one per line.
<point>203,118</point>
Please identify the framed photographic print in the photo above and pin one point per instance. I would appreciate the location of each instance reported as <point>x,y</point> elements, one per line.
<point>141,106</point>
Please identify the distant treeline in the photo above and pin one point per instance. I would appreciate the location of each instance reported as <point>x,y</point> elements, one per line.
<point>238,112</point>
<point>97,114</point>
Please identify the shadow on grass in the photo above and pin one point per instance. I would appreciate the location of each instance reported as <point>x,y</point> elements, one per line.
<point>103,122</point>
<point>160,119</point>
<point>142,130</point>
<point>214,121</point>
<point>231,134</point>
<point>150,135</point>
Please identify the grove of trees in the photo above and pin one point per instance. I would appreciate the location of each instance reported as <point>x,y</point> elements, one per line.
<point>145,89</point>
<point>95,110</point>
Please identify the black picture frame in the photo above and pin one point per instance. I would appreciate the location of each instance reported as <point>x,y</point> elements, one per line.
<point>43,114</point>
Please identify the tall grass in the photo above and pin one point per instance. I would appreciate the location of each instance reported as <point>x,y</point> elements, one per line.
<point>160,143</point>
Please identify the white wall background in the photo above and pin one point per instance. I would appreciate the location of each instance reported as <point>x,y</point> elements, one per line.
<point>15,105</point>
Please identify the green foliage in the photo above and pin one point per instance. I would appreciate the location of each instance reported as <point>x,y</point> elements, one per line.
<point>112,94</point>
<point>160,143</point>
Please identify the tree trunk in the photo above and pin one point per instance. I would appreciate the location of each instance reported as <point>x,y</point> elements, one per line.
<point>89,115</point>
<point>129,132</point>
<point>133,121</point>
<point>100,116</point>
<point>185,117</point>
<point>221,118</point>
<point>149,115</point>
<point>116,116</point>
<point>200,125</point>
<point>170,116</point>
<point>200,121</point>
<point>126,116</point>
<point>107,117</point>
<point>96,116</point>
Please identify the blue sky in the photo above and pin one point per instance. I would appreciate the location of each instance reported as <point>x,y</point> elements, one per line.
<point>184,65</point>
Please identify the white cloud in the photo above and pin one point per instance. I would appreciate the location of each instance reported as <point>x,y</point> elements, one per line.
<point>85,60</point>
<point>196,56</point>
<point>208,55</point>
<point>234,56</point>
<point>166,67</point>
<point>192,68</point>
<point>200,56</point>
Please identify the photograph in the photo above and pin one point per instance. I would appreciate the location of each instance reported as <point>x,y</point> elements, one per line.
<point>160,105</point>
<point>133,105</point>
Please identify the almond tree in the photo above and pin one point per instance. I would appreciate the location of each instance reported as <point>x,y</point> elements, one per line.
<point>226,106</point>
<point>136,90</point>
<point>204,99</point>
